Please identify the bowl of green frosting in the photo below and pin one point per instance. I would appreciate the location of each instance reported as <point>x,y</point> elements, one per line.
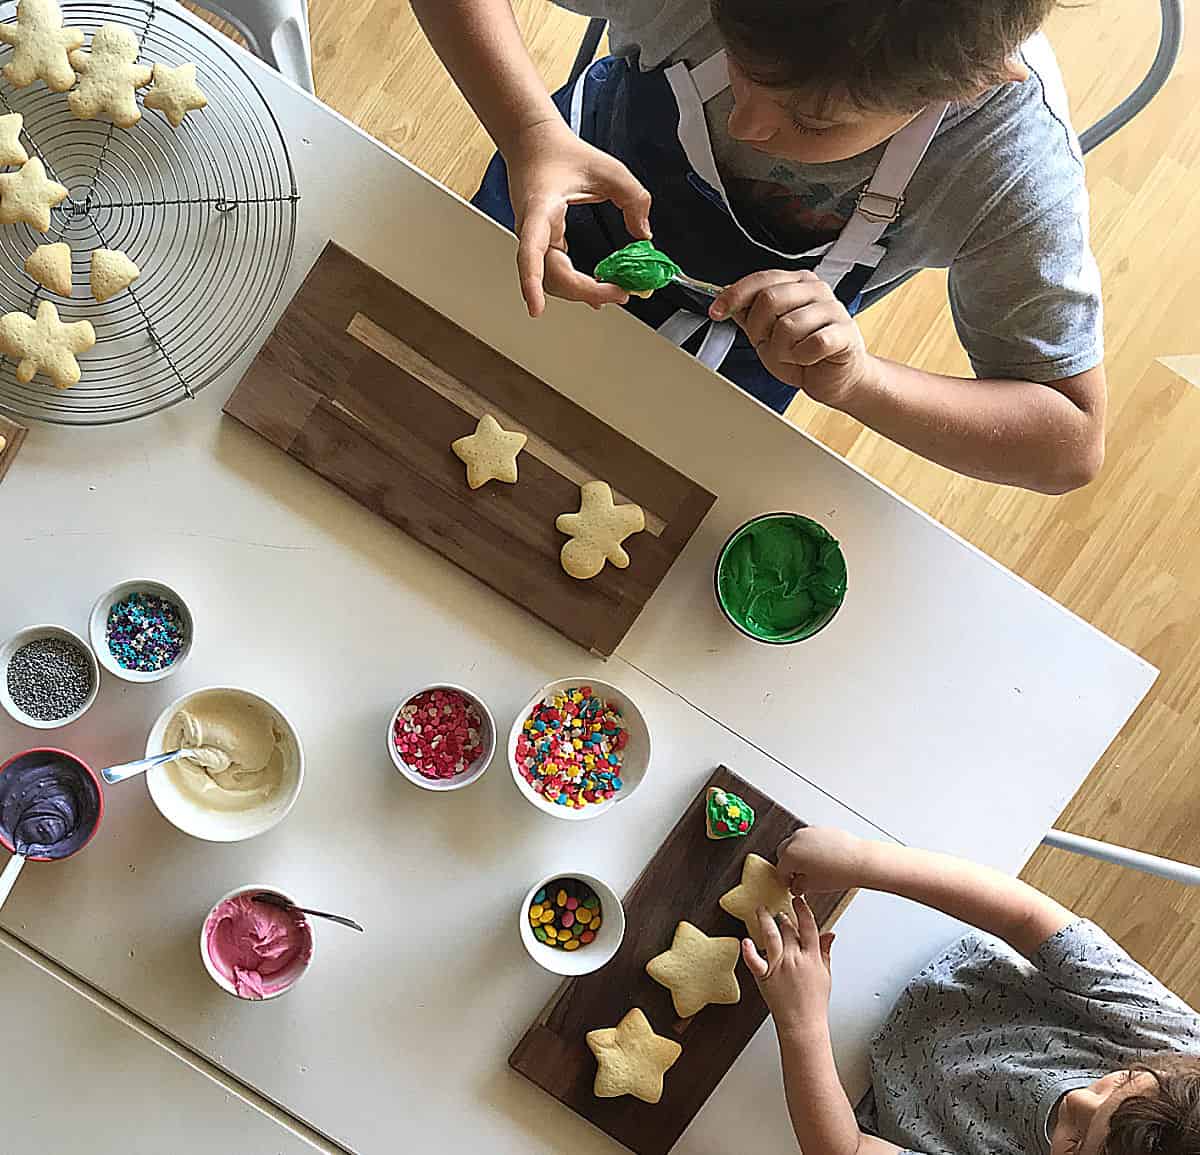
<point>780,578</point>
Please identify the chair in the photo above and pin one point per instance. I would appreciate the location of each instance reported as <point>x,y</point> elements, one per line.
<point>276,31</point>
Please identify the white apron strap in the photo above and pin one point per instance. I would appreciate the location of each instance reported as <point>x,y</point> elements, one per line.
<point>717,342</point>
<point>880,202</point>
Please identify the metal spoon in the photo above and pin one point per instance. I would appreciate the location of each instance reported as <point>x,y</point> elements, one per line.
<point>114,774</point>
<point>705,287</point>
<point>283,904</point>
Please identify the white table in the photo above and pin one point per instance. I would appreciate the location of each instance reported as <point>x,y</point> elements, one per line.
<point>949,704</point>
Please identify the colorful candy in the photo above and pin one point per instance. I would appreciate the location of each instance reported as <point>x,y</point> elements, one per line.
<point>565,914</point>
<point>145,633</point>
<point>439,733</point>
<point>571,747</point>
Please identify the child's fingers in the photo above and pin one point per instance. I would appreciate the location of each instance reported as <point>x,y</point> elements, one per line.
<point>826,941</point>
<point>739,296</point>
<point>532,246</point>
<point>563,279</point>
<point>806,924</point>
<point>755,963</point>
<point>768,933</point>
<point>828,341</point>
<point>628,194</point>
<point>784,314</point>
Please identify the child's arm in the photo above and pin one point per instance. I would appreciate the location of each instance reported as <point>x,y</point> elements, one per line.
<point>1045,437</point>
<point>820,859</point>
<point>549,167</point>
<point>794,981</point>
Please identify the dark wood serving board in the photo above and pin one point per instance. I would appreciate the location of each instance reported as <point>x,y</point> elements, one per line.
<point>684,880</point>
<point>11,437</point>
<point>368,386</point>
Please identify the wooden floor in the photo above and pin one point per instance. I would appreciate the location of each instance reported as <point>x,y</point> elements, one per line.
<point>1125,552</point>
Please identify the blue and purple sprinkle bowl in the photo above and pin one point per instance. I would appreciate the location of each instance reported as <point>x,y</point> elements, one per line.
<point>141,630</point>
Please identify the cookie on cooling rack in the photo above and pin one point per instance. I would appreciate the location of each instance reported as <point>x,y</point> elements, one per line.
<point>40,46</point>
<point>50,266</point>
<point>109,77</point>
<point>28,195</point>
<point>112,272</point>
<point>44,344</point>
<point>12,151</point>
<point>175,92</point>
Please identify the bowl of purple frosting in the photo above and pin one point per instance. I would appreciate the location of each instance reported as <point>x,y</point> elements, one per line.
<point>50,804</point>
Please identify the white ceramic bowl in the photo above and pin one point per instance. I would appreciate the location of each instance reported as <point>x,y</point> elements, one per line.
<point>98,622</point>
<point>634,765</point>
<point>287,979</point>
<point>33,634</point>
<point>473,772</point>
<point>587,958</point>
<point>179,808</point>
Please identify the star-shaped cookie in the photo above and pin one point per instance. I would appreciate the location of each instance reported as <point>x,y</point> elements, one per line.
<point>597,530</point>
<point>12,151</point>
<point>175,92</point>
<point>28,195</point>
<point>109,77</point>
<point>45,344</point>
<point>760,886</point>
<point>631,1059</point>
<point>697,970</point>
<point>40,46</point>
<point>490,453</point>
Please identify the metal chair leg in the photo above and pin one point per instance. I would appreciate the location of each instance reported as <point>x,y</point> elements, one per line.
<point>1123,856</point>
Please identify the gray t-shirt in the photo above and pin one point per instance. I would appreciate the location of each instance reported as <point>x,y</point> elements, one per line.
<point>983,1042</point>
<point>999,200</point>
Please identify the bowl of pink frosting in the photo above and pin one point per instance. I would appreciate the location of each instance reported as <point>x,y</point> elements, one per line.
<point>254,950</point>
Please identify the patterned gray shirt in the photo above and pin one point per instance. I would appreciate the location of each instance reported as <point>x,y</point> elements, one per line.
<point>983,1042</point>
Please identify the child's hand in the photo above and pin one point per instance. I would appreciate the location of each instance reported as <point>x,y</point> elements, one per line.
<point>821,860</point>
<point>801,331</point>
<point>550,168</point>
<point>794,978</point>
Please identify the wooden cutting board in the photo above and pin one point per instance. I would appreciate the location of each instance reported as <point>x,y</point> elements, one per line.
<point>11,437</point>
<point>683,880</point>
<point>368,386</point>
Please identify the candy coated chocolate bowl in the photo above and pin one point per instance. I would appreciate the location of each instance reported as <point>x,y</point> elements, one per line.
<point>635,764</point>
<point>473,772</point>
<point>33,634</point>
<point>224,825</point>
<point>45,753</point>
<point>290,977</point>
<point>98,623</point>
<point>587,958</point>
<point>808,629</point>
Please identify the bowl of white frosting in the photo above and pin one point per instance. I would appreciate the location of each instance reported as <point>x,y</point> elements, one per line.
<point>244,774</point>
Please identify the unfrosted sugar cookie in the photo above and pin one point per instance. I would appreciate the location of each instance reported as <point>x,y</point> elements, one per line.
<point>109,77</point>
<point>40,46</point>
<point>597,531</point>
<point>12,151</point>
<point>490,453</point>
<point>111,273</point>
<point>631,1059</point>
<point>50,266</point>
<point>175,92</point>
<point>760,886</point>
<point>28,195</point>
<point>697,970</point>
<point>45,344</point>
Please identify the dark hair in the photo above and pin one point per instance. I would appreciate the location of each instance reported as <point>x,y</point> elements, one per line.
<point>1166,1122</point>
<point>884,55</point>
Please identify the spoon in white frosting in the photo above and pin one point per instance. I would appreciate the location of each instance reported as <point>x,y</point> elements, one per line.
<point>209,757</point>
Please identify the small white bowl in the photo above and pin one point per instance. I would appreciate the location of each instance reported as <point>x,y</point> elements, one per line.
<point>634,765</point>
<point>473,772</point>
<point>587,958</point>
<point>98,623</point>
<point>178,808</point>
<point>290,977</point>
<point>33,634</point>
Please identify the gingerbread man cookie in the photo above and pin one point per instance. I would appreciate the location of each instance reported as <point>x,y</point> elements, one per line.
<point>109,77</point>
<point>28,195</point>
<point>175,92</point>
<point>631,1059</point>
<point>111,272</point>
<point>45,344</point>
<point>597,530</point>
<point>490,453</point>
<point>760,886</point>
<point>12,151</point>
<point>40,46</point>
<point>50,266</point>
<point>697,970</point>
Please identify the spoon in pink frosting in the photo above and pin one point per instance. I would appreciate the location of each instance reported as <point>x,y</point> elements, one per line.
<point>283,904</point>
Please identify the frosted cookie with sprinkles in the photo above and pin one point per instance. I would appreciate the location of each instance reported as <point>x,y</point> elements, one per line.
<point>109,77</point>
<point>175,93</point>
<point>40,46</point>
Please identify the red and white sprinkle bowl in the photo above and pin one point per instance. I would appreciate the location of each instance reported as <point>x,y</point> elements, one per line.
<point>474,771</point>
<point>635,763</point>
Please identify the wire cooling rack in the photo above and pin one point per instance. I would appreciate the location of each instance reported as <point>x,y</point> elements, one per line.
<point>206,211</point>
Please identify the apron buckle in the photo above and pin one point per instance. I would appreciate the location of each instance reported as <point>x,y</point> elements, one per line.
<point>882,207</point>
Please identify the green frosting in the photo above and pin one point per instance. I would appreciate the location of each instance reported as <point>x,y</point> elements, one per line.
<point>728,816</point>
<point>782,577</point>
<point>637,268</point>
